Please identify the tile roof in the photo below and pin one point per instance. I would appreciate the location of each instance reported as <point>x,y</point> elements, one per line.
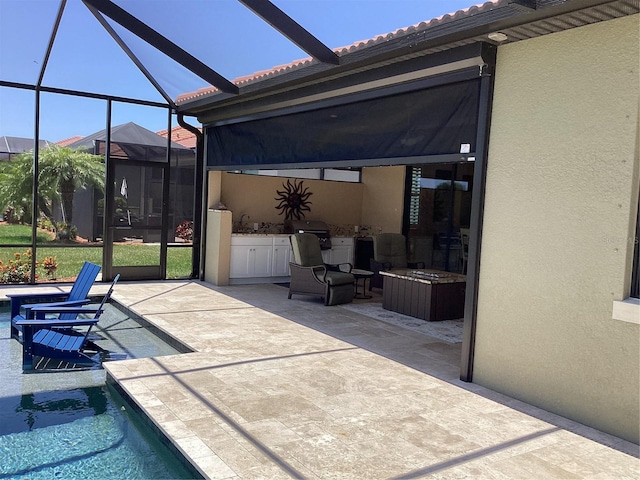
<point>69,141</point>
<point>16,145</point>
<point>296,64</point>
<point>181,136</point>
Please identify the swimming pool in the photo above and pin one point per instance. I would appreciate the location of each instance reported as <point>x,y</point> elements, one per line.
<point>71,425</point>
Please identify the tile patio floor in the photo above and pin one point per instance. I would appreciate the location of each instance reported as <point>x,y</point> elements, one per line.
<point>281,388</point>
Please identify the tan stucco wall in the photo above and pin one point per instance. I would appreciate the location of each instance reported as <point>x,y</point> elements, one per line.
<point>383,197</point>
<point>214,185</point>
<point>336,203</point>
<point>376,202</point>
<point>218,253</point>
<point>562,184</point>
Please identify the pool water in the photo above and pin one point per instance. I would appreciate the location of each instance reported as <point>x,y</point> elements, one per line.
<point>79,434</point>
<point>71,425</point>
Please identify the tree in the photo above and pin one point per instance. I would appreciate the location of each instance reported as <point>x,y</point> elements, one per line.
<point>16,188</point>
<point>61,171</point>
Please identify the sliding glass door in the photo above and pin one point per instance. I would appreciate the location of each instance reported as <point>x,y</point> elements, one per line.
<point>438,203</point>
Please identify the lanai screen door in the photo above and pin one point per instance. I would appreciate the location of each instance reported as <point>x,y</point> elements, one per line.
<point>138,188</point>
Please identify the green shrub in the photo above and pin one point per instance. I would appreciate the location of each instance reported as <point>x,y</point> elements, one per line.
<point>46,224</point>
<point>66,232</point>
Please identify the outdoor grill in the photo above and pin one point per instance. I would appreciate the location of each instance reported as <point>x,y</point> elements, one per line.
<point>317,227</point>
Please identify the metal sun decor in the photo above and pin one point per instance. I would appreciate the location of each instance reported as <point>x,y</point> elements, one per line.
<point>293,200</point>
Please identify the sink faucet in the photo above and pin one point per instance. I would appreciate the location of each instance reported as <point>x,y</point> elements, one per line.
<point>242,226</point>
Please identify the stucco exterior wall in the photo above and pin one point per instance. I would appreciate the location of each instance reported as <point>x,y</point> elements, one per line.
<point>562,187</point>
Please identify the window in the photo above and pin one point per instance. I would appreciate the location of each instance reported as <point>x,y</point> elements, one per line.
<point>351,175</point>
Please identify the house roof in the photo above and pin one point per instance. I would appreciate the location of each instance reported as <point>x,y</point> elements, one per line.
<point>356,46</point>
<point>19,144</point>
<point>181,136</point>
<point>68,141</point>
<point>517,19</point>
<point>127,133</point>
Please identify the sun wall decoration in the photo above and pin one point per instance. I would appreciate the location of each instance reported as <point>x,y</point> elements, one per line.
<point>293,200</point>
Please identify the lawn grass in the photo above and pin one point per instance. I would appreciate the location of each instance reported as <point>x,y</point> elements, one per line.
<point>15,234</point>
<point>70,259</point>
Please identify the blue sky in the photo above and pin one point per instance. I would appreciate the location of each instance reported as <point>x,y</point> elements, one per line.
<point>222,33</point>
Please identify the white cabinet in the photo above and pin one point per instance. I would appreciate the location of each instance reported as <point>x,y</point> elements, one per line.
<point>259,256</point>
<point>281,257</point>
<point>341,251</point>
<point>251,257</point>
<point>263,257</point>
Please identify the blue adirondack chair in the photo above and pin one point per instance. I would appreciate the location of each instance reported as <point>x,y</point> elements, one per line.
<point>22,304</point>
<point>57,339</point>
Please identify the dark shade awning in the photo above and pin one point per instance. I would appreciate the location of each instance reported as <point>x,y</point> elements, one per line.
<point>434,121</point>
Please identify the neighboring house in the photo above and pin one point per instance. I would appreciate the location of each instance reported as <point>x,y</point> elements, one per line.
<point>138,157</point>
<point>68,141</point>
<point>537,103</point>
<point>181,136</point>
<point>12,146</point>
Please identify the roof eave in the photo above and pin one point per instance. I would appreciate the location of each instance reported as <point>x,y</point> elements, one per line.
<point>457,32</point>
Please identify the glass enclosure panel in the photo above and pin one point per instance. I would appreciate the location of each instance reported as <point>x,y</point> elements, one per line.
<point>179,262</point>
<point>25,28</point>
<point>230,59</point>
<point>147,119</point>
<point>137,253</point>
<point>16,157</point>
<point>86,58</point>
<point>72,174</point>
<point>439,206</point>
<point>181,196</point>
<point>138,202</point>
<point>15,264</point>
<point>62,264</point>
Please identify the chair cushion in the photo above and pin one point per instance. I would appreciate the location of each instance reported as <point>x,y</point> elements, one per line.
<point>339,278</point>
<point>306,249</point>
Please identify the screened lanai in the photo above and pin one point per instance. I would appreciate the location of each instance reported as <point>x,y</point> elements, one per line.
<point>71,68</point>
<point>227,71</point>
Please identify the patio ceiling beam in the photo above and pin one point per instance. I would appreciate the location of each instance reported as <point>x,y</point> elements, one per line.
<point>292,30</point>
<point>158,41</point>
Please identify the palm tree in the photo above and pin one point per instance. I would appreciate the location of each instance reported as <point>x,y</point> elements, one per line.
<point>69,170</point>
<point>61,172</point>
<point>16,188</point>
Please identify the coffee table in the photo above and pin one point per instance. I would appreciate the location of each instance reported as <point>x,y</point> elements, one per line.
<point>361,274</point>
<point>431,295</point>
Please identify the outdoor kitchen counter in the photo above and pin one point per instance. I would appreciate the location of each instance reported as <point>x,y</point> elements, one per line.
<point>265,257</point>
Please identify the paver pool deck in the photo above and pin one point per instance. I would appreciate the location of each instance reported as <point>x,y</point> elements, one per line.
<point>279,388</point>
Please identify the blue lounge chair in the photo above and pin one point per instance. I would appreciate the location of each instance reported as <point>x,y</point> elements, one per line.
<point>22,304</point>
<point>57,339</point>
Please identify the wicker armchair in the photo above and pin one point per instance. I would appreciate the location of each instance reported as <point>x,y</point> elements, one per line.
<point>311,276</point>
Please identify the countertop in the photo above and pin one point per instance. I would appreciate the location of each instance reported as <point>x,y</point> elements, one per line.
<point>425,275</point>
